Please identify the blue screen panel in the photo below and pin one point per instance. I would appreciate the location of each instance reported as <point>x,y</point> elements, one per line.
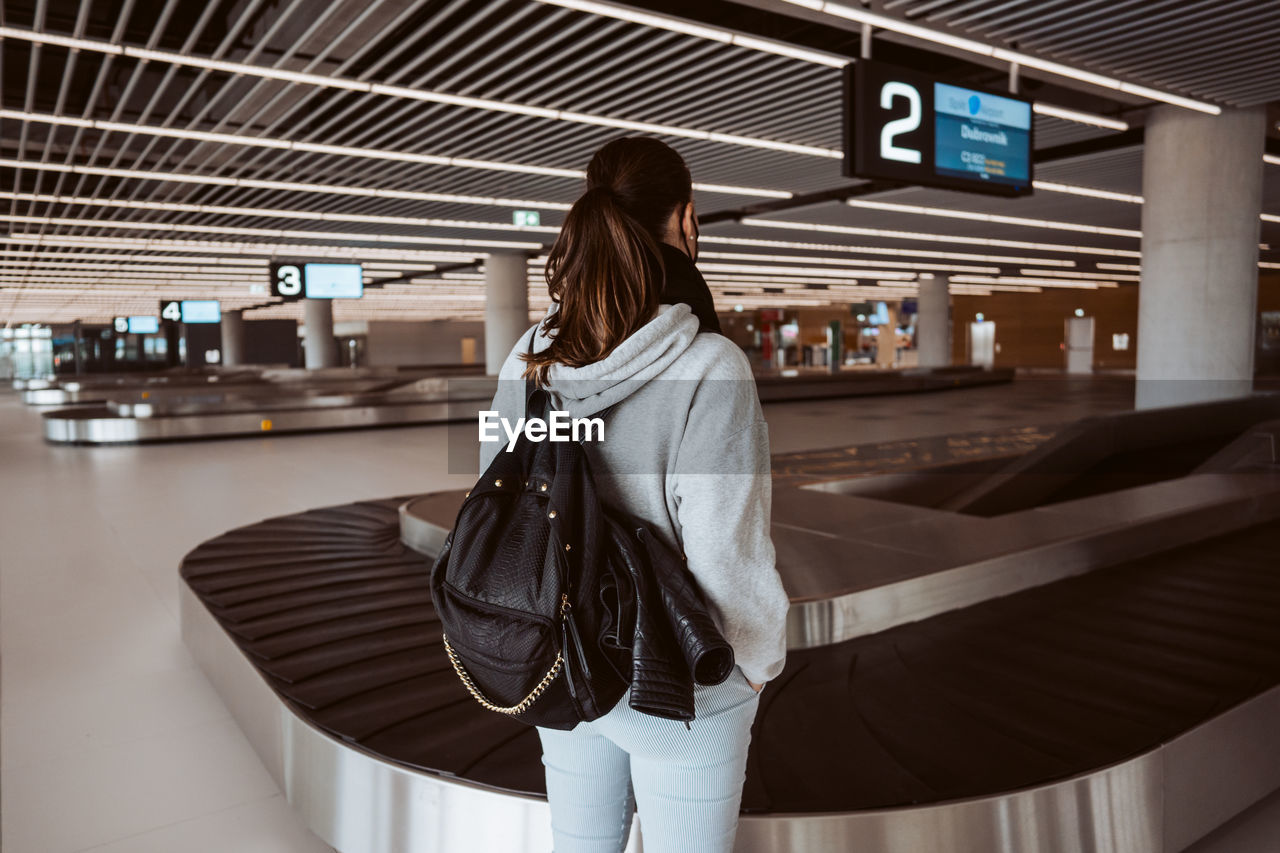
<point>201,311</point>
<point>144,325</point>
<point>334,281</point>
<point>981,137</point>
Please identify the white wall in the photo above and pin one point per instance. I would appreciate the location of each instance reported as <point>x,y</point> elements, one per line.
<point>428,342</point>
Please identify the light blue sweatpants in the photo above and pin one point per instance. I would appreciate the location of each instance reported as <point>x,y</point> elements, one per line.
<point>686,783</point>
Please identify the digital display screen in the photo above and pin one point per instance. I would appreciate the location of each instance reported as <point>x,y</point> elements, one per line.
<point>333,281</point>
<point>144,325</point>
<point>201,311</point>
<point>981,135</point>
<point>906,126</point>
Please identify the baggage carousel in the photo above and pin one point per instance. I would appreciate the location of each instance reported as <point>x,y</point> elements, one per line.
<point>254,402</point>
<point>29,383</point>
<point>236,413</point>
<point>98,387</point>
<point>1095,669</point>
<point>185,406</point>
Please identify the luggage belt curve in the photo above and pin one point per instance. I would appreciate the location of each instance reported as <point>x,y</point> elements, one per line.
<point>134,410</point>
<point>963,702</point>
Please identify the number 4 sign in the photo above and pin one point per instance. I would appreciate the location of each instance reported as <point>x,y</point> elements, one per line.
<point>171,310</point>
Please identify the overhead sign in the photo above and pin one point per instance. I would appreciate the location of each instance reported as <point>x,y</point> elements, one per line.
<point>333,281</point>
<point>286,281</point>
<point>191,311</point>
<point>905,125</point>
<point>142,325</point>
<point>528,218</point>
<point>298,279</point>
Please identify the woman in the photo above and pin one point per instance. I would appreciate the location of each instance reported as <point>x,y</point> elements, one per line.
<point>633,331</point>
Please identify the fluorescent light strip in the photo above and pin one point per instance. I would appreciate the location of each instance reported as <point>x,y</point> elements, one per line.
<point>665,22</point>
<point>106,275</point>
<point>1051,186</point>
<point>263,232</point>
<point>157,269</point>
<point>736,281</point>
<point>937,238</point>
<point>1024,60</point>
<point>974,216</point>
<point>411,94</point>
<point>880,250</point>
<point>289,186</point>
<point>849,262</point>
<point>35,255</point>
<point>346,150</point>
<point>806,286</point>
<point>724,36</point>
<point>271,250</point>
<point>784,270</point>
<point>748,191</point>
<point>155,284</point>
<point>1109,195</point>
<point>279,213</point>
<point>1120,267</point>
<point>239,248</point>
<point>237,285</point>
<point>771,300</point>
<point>1078,116</point>
<point>853,265</point>
<point>1074,274</point>
<point>1039,282</point>
<point>1271,159</point>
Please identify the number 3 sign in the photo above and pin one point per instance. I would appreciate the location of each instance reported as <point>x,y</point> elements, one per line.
<point>286,281</point>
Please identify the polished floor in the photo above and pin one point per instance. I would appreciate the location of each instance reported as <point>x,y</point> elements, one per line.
<point>112,740</point>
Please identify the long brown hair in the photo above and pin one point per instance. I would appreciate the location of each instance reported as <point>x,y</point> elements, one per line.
<point>605,270</point>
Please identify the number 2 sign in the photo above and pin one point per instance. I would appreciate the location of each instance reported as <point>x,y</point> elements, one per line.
<point>905,125</point>
<point>888,123</point>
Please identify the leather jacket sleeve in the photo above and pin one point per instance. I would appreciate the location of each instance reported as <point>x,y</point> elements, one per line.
<point>676,641</point>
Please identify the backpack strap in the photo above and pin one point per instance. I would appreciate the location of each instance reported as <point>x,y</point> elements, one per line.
<point>535,399</point>
<point>542,402</point>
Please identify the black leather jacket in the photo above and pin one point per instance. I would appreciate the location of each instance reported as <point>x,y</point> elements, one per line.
<point>658,610</point>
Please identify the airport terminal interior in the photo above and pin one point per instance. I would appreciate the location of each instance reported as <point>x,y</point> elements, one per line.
<point>1007,276</point>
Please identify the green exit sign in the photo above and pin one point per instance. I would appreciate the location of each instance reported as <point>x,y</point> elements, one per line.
<point>527,218</point>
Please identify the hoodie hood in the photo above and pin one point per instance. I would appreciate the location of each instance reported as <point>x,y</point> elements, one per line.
<point>648,352</point>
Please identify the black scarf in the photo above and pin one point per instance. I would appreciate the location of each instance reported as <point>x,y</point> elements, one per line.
<point>685,284</point>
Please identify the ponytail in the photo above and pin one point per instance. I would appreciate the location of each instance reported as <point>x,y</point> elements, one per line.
<point>605,272</point>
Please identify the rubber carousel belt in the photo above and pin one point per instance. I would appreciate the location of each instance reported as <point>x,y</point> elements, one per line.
<point>335,614</point>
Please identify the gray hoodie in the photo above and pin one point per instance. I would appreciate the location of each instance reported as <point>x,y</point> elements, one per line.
<point>686,450</point>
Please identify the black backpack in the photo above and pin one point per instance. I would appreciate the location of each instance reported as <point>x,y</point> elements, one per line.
<point>539,589</point>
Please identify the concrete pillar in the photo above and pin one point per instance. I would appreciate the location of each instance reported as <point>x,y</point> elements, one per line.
<point>232,338</point>
<point>317,319</point>
<point>506,307</point>
<point>172,342</point>
<point>933,322</point>
<point>1197,303</point>
<point>887,340</point>
<point>77,347</point>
